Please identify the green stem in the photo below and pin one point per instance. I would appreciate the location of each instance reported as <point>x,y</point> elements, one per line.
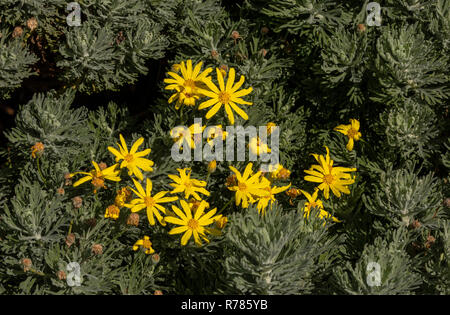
<point>226,205</point>
<point>39,169</point>
<point>70,227</point>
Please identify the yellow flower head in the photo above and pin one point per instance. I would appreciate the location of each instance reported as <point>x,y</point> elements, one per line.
<point>112,212</point>
<point>315,203</point>
<point>351,131</point>
<point>132,160</point>
<point>335,178</point>
<point>264,201</point>
<point>190,186</point>
<point>258,147</point>
<point>279,172</point>
<point>123,196</point>
<point>145,243</point>
<point>248,187</point>
<point>227,95</point>
<point>219,223</point>
<point>191,136</point>
<point>214,132</point>
<point>269,126</point>
<point>191,224</point>
<point>151,203</point>
<point>97,176</point>
<point>37,148</point>
<point>188,84</point>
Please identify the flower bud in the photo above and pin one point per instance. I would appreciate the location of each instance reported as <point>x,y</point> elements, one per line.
<point>212,166</point>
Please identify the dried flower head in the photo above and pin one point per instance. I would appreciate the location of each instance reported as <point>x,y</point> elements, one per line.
<point>27,263</point>
<point>214,53</point>
<point>133,219</point>
<point>102,165</point>
<point>430,241</point>
<point>70,239</point>
<point>97,249</point>
<point>120,38</point>
<point>67,179</point>
<point>264,30</point>
<point>361,28</point>
<point>18,31</point>
<point>60,191</point>
<point>77,202</point>
<point>415,224</point>
<point>235,35</point>
<point>32,23</point>
<point>61,275</point>
<point>156,258</point>
<point>37,149</point>
<point>158,292</point>
<point>447,202</point>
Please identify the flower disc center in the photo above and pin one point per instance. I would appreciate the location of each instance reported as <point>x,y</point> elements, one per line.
<point>224,97</point>
<point>129,158</point>
<point>149,201</point>
<point>193,224</point>
<point>328,179</point>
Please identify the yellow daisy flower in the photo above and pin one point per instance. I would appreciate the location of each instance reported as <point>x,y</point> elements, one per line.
<point>313,202</point>
<point>248,188</point>
<point>97,176</point>
<point>191,136</point>
<point>227,95</point>
<point>145,243</point>
<point>131,159</point>
<point>263,202</point>
<point>214,132</point>
<point>151,203</point>
<point>258,147</point>
<point>351,131</point>
<point>330,177</point>
<point>191,224</point>
<point>187,85</point>
<point>190,186</point>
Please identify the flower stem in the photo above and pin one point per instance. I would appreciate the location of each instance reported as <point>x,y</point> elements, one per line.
<point>39,169</point>
<point>227,204</point>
